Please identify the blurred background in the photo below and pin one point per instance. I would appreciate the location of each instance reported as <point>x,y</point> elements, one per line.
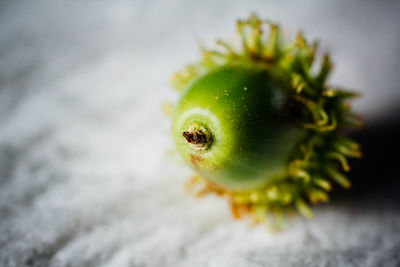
<point>85,176</point>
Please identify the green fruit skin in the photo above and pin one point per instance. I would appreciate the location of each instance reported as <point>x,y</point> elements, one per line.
<point>253,133</point>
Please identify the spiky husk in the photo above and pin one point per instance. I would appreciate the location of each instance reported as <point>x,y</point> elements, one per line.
<point>318,158</point>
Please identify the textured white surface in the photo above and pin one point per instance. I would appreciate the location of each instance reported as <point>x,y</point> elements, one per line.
<point>84,175</point>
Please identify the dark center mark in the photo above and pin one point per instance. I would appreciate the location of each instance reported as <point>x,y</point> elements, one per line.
<point>195,137</point>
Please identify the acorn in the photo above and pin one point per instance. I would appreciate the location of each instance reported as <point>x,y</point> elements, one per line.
<point>260,127</point>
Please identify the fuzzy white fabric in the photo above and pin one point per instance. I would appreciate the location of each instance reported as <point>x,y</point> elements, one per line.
<point>87,176</point>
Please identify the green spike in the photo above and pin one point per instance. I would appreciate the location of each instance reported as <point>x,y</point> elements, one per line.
<point>325,69</point>
<point>271,49</point>
<point>303,208</point>
<point>338,177</point>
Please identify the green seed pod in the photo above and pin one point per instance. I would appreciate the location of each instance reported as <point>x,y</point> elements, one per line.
<point>234,127</point>
<point>259,127</point>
